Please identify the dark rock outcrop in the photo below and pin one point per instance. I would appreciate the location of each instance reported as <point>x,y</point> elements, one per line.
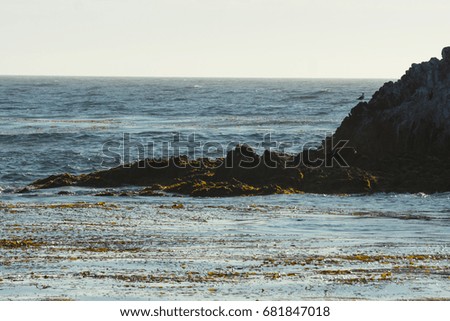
<point>408,117</point>
<point>241,172</point>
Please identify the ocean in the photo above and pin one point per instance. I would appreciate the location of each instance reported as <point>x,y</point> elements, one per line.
<point>69,244</point>
<point>52,125</point>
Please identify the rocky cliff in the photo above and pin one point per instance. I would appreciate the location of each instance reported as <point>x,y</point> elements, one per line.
<point>408,117</point>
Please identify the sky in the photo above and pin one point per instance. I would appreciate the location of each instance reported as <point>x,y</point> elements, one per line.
<point>221,38</point>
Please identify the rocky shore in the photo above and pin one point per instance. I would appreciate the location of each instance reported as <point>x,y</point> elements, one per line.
<point>399,141</point>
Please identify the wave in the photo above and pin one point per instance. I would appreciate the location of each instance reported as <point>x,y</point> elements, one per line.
<point>394,215</point>
<point>301,97</point>
<point>306,96</point>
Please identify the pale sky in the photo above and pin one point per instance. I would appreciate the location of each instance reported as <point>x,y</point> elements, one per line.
<point>221,38</point>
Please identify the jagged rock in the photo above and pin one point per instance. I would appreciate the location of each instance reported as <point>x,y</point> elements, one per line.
<point>446,54</point>
<point>410,116</point>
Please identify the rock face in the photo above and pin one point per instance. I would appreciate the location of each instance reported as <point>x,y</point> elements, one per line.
<point>408,117</point>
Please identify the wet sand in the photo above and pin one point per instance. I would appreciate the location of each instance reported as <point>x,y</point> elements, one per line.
<point>170,248</point>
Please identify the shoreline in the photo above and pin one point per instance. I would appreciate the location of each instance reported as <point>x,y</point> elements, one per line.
<point>175,249</point>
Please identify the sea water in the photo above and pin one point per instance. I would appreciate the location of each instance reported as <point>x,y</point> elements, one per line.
<point>306,246</point>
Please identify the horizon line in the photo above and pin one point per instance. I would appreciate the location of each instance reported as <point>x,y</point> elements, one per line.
<point>193,77</point>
